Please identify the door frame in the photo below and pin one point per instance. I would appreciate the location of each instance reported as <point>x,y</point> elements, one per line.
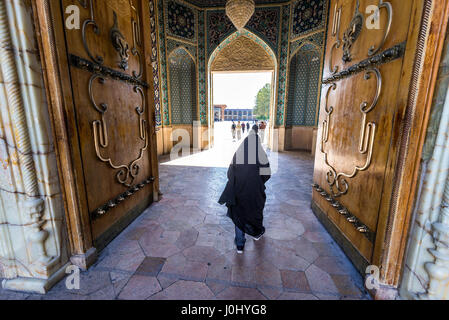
<point>49,28</point>
<point>425,43</point>
<point>428,32</point>
<point>391,242</point>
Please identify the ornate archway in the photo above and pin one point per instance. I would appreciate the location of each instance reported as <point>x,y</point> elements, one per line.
<point>242,54</point>
<point>242,51</point>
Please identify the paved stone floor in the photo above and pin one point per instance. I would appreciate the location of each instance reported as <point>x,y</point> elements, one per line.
<point>182,247</point>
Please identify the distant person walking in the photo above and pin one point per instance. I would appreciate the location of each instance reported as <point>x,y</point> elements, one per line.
<point>233,130</point>
<point>247,127</point>
<point>243,127</point>
<point>262,127</point>
<point>239,130</point>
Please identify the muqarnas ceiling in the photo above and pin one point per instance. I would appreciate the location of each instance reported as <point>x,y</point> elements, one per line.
<point>243,54</point>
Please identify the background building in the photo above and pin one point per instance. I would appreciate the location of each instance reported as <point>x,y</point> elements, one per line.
<point>238,115</point>
<point>219,112</point>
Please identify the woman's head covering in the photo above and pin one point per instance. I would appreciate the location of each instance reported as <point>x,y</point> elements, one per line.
<point>256,128</point>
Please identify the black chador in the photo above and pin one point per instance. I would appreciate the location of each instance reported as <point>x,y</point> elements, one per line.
<point>244,194</point>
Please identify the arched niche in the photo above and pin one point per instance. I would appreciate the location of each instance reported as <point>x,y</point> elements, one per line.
<point>182,87</point>
<point>303,86</point>
<point>303,96</point>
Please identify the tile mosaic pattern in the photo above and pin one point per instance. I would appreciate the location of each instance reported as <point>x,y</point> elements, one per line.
<point>218,28</point>
<point>222,3</point>
<point>265,23</point>
<point>304,80</point>
<point>154,63</point>
<point>308,16</point>
<point>163,66</point>
<point>182,247</point>
<point>173,44</point>
<point>202,76</point>
<point>292,94</point>
<point>212,27</point>
<point>181,21</point>
<point>317,39</point>
<point>183,95</point>
<point>283,61</point>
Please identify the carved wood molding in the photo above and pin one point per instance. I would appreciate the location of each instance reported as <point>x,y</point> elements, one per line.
<point>49,28</point>
<point>429,36</point>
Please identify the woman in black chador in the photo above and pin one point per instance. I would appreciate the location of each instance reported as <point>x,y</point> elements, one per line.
<point>244,194</point>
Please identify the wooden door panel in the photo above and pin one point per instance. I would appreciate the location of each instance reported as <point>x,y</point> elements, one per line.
<point>358,110</point>
<point>124,142</point>
<point>98,47</point>
<point>110,97</point>
<point>344,134</point>
<point>401,14</point>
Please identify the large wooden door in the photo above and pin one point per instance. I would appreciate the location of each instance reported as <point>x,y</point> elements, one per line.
<point>359,119</point>
<point>112,102</point>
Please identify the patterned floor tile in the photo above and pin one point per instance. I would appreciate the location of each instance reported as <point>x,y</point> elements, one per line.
<point>320,281</point>
<point>140,288</point>
<point>185,290</point>
<point>297,296</point>
<point>182,246</point>
<point>295,280</point>
<point>151,266</point>
<point>346,287</point>
<point>239,293</point>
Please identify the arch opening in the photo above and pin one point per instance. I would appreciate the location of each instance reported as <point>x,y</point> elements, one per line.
<point>242,52</point>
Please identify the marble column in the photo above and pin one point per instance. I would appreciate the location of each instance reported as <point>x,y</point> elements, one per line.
<point>426,274</point>
<point>33,243</point>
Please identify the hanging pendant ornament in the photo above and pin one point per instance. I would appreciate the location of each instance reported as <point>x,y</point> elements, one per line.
<point>240,11</point>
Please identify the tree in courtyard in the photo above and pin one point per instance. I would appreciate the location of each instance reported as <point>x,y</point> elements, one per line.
<point>262,108</point>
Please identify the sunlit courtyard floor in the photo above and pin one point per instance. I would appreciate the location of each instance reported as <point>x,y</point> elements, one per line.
<point>182,247</point>
<point>219,157</point>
